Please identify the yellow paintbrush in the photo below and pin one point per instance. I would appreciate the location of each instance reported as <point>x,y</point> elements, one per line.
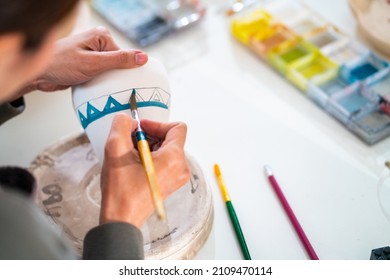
<point>146,157</point>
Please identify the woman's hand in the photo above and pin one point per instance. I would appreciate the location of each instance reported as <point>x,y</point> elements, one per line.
<point>81,57</point>
<point>125,190</point>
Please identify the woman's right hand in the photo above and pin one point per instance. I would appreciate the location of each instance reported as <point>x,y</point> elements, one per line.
<point>125,190</point>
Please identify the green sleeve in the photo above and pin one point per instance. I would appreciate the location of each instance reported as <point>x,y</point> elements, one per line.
<point>114,241</point>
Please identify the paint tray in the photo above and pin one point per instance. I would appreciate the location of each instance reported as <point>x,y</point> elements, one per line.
<point>263,43</point>
<point>366,69</point>
<point>381,86</point>
<point>322,93</point>
<point>342,76</point>
<point>327,39</point>
<point>252,24</point>
<point>352,101</point>
<point>136,19</point>
<point>315,68</point>
<point>347,52</point>
<point>178,13</point>
<point>286,54</point>
<point>146,22</point>
<point>371,126</point>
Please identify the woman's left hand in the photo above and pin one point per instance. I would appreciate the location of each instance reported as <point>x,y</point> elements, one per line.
<point>81,57</point>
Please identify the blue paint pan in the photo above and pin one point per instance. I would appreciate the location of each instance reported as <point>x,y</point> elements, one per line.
<point>354,100</point>
<point>366,69</point>
<point>322,93</point>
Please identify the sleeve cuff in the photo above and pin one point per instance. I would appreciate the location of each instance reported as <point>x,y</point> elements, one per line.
<point>11,109</point>
<point>114,241</point>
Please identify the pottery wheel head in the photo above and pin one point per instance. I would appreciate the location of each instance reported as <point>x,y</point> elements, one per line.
<point>68,176</point>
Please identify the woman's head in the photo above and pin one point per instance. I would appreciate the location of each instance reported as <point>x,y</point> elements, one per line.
<point>33,18</point>
<point>28,29</point>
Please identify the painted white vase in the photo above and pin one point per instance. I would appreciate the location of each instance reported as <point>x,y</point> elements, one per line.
<point>97,101</point>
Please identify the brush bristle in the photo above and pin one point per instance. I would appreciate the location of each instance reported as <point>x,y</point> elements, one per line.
<point>133,102</point>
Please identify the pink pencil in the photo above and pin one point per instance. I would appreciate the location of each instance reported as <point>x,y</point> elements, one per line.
<point>305,241</point>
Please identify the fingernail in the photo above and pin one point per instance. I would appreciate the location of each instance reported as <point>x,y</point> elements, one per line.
<point>141,58</point>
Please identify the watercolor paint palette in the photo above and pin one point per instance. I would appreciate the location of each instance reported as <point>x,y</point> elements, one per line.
<point>148,21</point>
<point>346,79</point>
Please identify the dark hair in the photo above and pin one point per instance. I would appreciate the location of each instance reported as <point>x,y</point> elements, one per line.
<point>33,18</point>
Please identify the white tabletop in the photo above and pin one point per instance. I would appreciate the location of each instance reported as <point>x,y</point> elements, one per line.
<point>243,115</point>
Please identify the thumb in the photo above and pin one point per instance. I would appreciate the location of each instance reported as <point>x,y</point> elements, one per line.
<point>120,59</point>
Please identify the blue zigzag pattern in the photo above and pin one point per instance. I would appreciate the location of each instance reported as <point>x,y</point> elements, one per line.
<point>112,106</point>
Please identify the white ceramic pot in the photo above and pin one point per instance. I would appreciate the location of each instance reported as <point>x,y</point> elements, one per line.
<point>97,101</point>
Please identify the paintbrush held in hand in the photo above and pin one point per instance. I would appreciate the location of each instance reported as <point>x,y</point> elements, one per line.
<point>147,162</point>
